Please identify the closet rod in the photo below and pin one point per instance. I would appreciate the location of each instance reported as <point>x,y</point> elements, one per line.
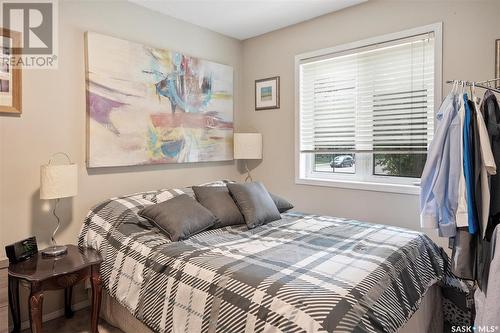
<point>478,84</point>
<point>489,81</point>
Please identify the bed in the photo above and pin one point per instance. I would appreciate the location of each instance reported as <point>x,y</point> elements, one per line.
<point>303,273</point>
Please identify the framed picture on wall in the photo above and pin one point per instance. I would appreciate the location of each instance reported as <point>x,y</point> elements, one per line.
<point>10,77</point>
<point>267,93</point>
<point>497,62</point>
<point>173,108</point>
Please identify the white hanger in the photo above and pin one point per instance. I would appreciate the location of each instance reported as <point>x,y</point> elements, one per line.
<point>454,89</point>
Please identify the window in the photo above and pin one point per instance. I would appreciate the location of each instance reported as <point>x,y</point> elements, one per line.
<point>366,111</point>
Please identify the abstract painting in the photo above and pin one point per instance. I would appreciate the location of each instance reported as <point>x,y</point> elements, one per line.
<point>267,93</point>
<point>148,105</point>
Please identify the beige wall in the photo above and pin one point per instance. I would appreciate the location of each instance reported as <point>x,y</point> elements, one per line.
<point>53,120</point>
<point>468,51</point>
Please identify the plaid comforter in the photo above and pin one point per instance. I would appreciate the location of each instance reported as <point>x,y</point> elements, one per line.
<point>301,273</point>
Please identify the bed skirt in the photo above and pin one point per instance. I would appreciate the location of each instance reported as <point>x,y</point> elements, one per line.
<point>428,318</point>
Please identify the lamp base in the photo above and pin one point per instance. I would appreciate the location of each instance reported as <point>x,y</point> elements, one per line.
<point>249,176</point>
<point>55,251</point>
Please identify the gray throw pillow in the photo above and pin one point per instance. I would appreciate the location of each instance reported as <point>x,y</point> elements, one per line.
<point>282,204</point>
<point>218,200</point>
<point>180,217</point>
<point>255,203</point>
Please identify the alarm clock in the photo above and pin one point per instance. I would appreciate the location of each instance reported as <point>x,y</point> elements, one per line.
<point>22,250</point>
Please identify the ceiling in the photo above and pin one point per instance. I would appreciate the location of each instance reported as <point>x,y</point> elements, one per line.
<point>244,19</point>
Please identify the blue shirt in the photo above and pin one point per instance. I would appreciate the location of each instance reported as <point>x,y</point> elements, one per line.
<point>468,169</point>
<point>441,175</point>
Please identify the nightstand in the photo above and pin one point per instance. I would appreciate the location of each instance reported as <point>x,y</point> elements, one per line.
<point>4,312</point>
<point>41,273</point>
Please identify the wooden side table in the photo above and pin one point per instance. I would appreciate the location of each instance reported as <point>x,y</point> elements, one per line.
<point>4,313</point>
<point>41,273</point>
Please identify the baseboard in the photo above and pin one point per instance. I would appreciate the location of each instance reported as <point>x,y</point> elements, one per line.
<point>56,314</point>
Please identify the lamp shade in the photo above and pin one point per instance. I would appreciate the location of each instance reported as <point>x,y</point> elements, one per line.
<point>58,181</point>
<point>247,146</point>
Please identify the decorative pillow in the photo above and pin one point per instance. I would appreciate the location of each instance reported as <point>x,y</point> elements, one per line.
<point>282,204</point>
<point>160,195</point>
<point>222,182</point>
<point>189,191</point>
<point>218,200</point>
<point>180,217</point>
<point>255,203</point>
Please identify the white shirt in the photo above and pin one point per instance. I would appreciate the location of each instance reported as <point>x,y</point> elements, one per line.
<point>462,215</point>
<point>440,177</point>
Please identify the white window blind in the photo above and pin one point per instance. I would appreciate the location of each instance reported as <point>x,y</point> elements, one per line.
<point>378,98</point>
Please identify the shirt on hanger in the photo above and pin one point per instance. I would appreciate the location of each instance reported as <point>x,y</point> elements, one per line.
<point>469,167</point>
<point>476,165</point>
<point>462,215</point>
<point>491,114</point>
<point>441,174</point>
<point>488,168</point>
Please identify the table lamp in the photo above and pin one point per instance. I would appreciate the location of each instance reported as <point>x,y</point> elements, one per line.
<point>247,146</point>
<point>57,181</point>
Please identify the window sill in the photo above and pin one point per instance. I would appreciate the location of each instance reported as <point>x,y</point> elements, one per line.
<point>364,186</point>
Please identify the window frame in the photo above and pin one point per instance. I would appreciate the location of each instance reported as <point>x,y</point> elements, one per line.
<point>304,170</point>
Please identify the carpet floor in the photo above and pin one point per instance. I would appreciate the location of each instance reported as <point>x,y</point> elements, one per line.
<point>80,323</point>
